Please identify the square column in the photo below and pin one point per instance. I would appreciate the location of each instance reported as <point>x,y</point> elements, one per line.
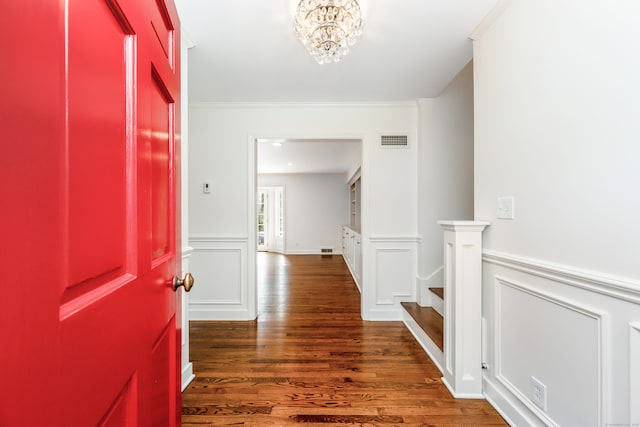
<point>463,307</point>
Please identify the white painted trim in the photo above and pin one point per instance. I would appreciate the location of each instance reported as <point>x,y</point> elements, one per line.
<point>599,316</point>
<point>206,312</point>
<point>505,405</point>
<point>239,308</point>
<point>634,344</point>
<point>489,19</point>
<point>395,239</point>
<point>427,344</point>
<point>622,288</point>
<point>462,245</point>
<point>217,239</point>
<point>461,395</point>
<point>252,176</point>
<point>394,295</point>
<point>437,304</point>
<point>310,252</point>
<point>187,375</point>
<point>434,274</point>
<point>297,105</point>
<point>186,252</point>
<point>465,226</point>
<point>423,295</point>
<point>187,38</point>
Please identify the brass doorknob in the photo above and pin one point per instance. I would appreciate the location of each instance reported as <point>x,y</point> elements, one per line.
<point>187,282</point>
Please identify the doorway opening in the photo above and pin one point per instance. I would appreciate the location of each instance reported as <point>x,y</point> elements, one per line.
<point>317,174</point>
<point>270,219</point>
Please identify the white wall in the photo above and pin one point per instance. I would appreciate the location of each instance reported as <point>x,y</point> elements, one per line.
<point>316,206</point>
<point>222,224</point>
<point>557,126</point>
<point>445,172</point>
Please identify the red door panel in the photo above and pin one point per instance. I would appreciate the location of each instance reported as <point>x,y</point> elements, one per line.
<point>91,338</point>
<point>98,87</point>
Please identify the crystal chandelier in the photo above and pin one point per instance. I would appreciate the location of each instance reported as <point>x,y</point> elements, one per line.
<point>328,27</point>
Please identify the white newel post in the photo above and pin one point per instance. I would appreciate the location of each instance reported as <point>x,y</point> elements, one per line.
<point>463,307</point>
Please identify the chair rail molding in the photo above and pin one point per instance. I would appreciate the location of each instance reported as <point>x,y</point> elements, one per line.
<point>622,288</point>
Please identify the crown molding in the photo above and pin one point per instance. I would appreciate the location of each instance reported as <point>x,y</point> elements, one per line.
<point>489,19</point>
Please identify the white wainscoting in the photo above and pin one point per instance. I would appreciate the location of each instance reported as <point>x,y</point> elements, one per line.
<point>392,276</point>
<point>219,265</point>
<point>571,329</point>
<point>634,374</point>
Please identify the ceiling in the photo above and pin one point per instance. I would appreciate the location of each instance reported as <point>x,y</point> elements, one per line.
<point>308,155</point>
<point>246,51</point>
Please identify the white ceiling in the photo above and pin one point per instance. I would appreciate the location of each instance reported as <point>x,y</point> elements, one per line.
<point>247,51</point>
<point>308,156</point>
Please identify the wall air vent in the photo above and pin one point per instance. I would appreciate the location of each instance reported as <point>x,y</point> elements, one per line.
<point>394,141</point>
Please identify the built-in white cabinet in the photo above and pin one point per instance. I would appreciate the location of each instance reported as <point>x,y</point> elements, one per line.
<point>354,190</point>
<point>352,252</point>
<point>351,238</point>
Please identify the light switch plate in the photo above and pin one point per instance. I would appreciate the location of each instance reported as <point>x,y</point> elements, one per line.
<point>506,208</point>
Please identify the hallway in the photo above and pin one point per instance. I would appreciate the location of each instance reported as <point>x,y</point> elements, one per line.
<point>309,358</point>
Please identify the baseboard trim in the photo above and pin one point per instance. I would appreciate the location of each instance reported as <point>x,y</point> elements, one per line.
<point>461,395</point>
<point>187,375</point>
<point>213,314</point>
<point>311,252</point>
<point>505,406</point>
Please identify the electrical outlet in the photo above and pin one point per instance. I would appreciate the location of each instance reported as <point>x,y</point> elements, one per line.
<point>506,208</point>
<point>539,393</point>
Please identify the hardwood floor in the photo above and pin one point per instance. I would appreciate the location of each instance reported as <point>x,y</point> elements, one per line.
<point>310,359</point>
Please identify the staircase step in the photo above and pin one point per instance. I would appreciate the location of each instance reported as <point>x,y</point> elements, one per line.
<point>438,291</point>
<point>437,300</point>
<point>429,320</point>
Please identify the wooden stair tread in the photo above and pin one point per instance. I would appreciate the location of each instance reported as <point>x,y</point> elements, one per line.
<point>438,291</point>
<point>429,320</point>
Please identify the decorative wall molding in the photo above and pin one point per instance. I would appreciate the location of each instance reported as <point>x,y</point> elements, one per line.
<point>507,406</point>
<point>186,252</point>
<point>433,280</point>
<point>391,276</point>
<point>395,239</point>
<point>311,252</point>
<point>601,319</point>
<point>617,287</point>
<point>219,265</point>
<point>390,285</point>
<point>489,19</point>
<point>203,239</point>
<point>281,105</point>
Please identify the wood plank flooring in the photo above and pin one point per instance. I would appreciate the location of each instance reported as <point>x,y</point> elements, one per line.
<point>310,359</point>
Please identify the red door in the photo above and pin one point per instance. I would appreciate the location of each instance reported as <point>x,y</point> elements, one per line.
<point>90,217</point>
